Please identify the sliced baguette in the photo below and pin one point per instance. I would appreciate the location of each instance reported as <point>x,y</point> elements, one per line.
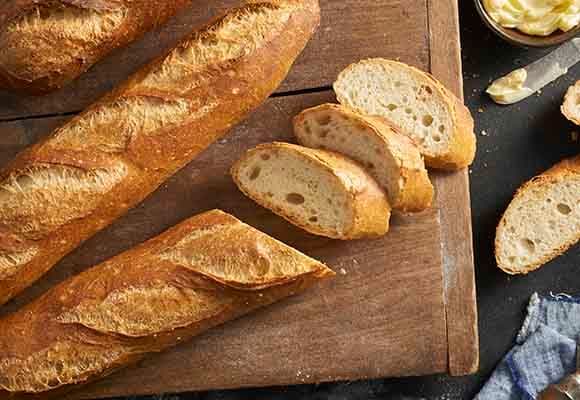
<point>571,105</point>
<point>389,156</point>
<point>321,192</point>
<point>542,221</point>
<point>431,115</point>
<point>207,270</point>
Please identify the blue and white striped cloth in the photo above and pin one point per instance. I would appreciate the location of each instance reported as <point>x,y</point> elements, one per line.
<point>545,350</point>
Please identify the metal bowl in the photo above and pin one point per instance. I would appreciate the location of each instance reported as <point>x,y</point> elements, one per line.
<point>518,38</point>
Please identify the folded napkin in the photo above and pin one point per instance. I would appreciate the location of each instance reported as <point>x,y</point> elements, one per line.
<point>545,350</point>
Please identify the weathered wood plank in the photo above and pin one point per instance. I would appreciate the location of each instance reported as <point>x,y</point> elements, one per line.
<point>454,204</point>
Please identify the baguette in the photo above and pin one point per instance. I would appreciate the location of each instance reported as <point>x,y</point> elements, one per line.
<point>542,221</point>
<point>389,156</point>
<point>571,106</point>
<point>199,274</point>
<point>322,192</point>
<point>415,101</point>
<point>45,44</point>
<point>59,192</point>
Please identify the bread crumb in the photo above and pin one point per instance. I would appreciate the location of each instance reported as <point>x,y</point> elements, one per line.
<point>484,133</point>
<point>480,110</point>
<point>342,271</point>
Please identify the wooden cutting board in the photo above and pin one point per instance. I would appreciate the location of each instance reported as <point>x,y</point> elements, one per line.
<point>402,305</point>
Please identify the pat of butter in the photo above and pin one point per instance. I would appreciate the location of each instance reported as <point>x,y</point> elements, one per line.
<point>510,88</point>
<point>535,17</point>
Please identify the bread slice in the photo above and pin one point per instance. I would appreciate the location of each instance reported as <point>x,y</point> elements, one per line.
<point>571,105</point>
<point>542,221</point>
<point>431,115</point>
<point>319,191</point>
<point>389,156</point>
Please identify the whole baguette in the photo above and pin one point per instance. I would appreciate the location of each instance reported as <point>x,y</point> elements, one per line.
<point>64,189</point>
<point>205,271</point>
<point>45,44</point>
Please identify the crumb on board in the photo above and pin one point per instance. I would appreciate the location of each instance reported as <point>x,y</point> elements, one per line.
<point>484,133</point>
<point>480,110</point>
<point>342,271</point>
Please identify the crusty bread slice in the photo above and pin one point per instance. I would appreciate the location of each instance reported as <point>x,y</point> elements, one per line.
<point>542,221</point>
<point>571,105</point>
<point>431,115</point>
<point>389,156</point>
<point>319,191</point>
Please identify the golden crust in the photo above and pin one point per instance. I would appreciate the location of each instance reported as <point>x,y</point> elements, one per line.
<point>141,302</point>
<point>371,210</point>
<point>164,128</point>
<point>559,172</point>
<point>47,44</point>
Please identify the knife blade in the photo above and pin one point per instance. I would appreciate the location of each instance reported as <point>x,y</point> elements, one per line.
<point>540,73</point>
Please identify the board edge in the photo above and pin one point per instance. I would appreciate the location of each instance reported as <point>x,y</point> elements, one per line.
<point>460,290</point>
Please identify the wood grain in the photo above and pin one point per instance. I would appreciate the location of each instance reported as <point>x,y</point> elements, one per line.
<point>382,316</point>
<point>339,42</point>
<point>457,245</point>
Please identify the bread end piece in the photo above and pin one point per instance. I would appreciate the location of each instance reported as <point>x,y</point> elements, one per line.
<point>321,192</point>
<point>571,106</point>
<point>417,103</point>
<point>542,221</point>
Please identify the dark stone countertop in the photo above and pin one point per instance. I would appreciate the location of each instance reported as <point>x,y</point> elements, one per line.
<point>519,141</point>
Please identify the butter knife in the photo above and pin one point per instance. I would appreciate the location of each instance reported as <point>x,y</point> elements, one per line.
<point>538,74</point>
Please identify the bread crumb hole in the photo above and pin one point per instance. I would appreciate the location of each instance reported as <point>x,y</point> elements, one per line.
<point>528,245</point>
<point>392,107</point>
<point>437,138</point>
<point>428,89</point>
<point>427,120</point>
<point>307,129</point>
<point>441,128</point>
<point>371,165</point>
<point>255,173</point>
<point>398,84</point>
<point>265,157</point>
<point>313,219</point>
<point>324,120</point>
<point>548,201</point>
<point>408,110</point>
<point>329,201</point>
<point>564,209</point>
<point>270,194</point>
<point>295,198</point>
<point>512,259</point>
